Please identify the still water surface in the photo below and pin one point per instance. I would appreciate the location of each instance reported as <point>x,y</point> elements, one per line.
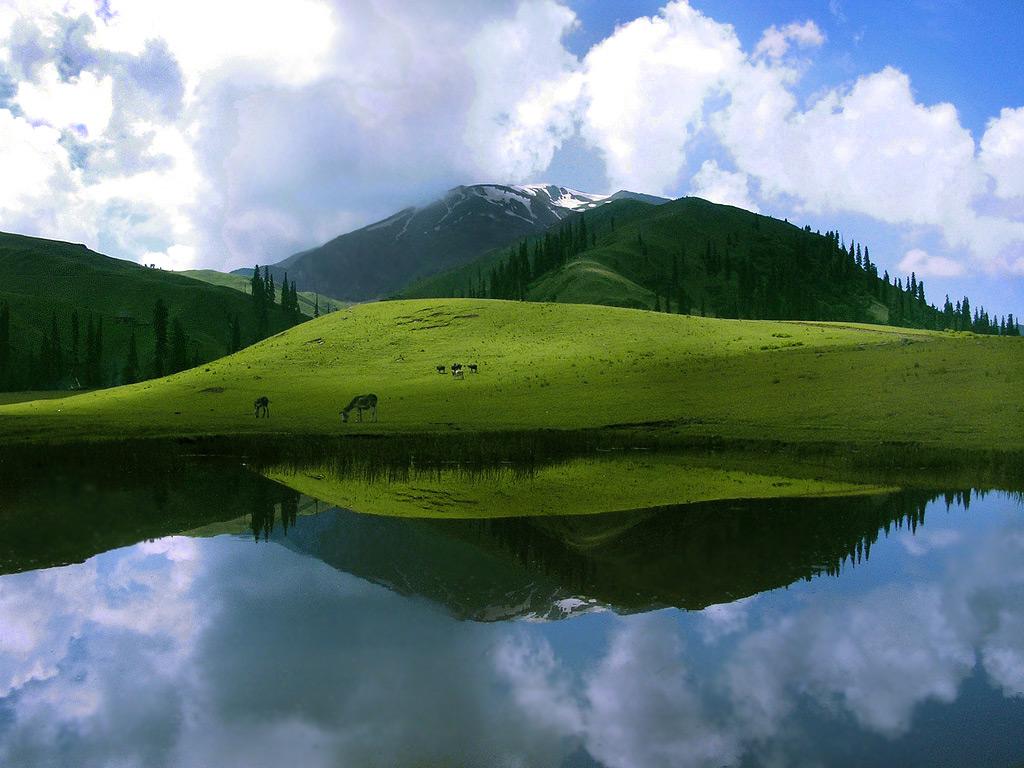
<point>217,619</point>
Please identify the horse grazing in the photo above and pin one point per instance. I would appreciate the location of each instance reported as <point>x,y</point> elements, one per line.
<point>440,369</point>
<point>262,405</point>
<point>472,368</point>
<point>361,403</point>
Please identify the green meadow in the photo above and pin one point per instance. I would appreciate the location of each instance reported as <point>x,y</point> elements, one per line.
<point>561,367</point>
<point>591,485</point>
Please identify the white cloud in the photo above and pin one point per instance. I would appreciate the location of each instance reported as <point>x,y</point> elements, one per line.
<point>233,132</point>
<point>84,104</point>
<point>871,150</point>
<point>926,265</point>
<point>775,42</point>
<point>1002,152</point>
<point>721,186</point>
<point>645,91</point>
<point>287,45</point>
<point>525,90</point>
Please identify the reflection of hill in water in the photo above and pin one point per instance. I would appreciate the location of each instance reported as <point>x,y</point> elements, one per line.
<point>53,513</point>
<point>65,510</point>
<point>688,557</point>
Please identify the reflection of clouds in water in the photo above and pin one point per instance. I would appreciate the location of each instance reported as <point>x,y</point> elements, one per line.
<point>876,656</point>
<point>90,656</point>
<point>924,540</point>
<point>215,653</point>
<point>293,663</point>
<point>718,621</point>
<point>643,707</point>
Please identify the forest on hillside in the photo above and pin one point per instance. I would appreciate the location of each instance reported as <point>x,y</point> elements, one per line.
<point>75,351</point>
<point>786,273</point>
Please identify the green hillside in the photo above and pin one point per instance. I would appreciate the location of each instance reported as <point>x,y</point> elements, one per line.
<point>563,366</point>
<point>472,279</point>
<point>309,301</point>
<point>46,285</point>
<point>691,256</point>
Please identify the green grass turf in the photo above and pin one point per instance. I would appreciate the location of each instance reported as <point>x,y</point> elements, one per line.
<point>575,487</point>
<point>6,398</point>
<point>565,366</point>
<point>307,299</point>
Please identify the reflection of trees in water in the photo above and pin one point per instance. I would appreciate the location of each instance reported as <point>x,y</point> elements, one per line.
<point>72,505</point>
<point>694,556</point>
<point>268,501</point>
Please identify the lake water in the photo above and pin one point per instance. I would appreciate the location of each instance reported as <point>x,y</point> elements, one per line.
<point>203,616</point>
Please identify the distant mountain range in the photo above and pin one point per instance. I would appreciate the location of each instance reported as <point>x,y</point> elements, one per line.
<point>380,259</point>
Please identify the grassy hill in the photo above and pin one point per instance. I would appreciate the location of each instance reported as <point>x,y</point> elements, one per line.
<point>42,280</point>
<point>695,257</point>
<point>562,366</point>
<point>307,299</point>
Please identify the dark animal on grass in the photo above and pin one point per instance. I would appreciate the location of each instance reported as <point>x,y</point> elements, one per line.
<point>361,403</point>
<point>472,368</point>
<point>457,370</point>
<point>262,406</point>
<point>440,369</point>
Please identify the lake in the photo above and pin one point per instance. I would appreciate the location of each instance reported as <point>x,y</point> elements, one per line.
<point>191,612</point>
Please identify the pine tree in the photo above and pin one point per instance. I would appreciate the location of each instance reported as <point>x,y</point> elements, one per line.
<point>257,290</point>
<point>316,305</point>
<point>160,335</point>
<point>97,351</point>
<point>5,340</point>
<point>90,351</point>
<point>73,361</point>
<point>56,351</point>
<point>131,367</point>
<point>179,347</point>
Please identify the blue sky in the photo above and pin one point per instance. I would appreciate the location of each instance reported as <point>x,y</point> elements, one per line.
<point>958,51</point>
<point>185,133</point>
<point>968,54</point>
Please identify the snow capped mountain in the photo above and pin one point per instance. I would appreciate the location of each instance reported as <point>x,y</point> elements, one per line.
<point>533,197</point>
<point>466,222</point>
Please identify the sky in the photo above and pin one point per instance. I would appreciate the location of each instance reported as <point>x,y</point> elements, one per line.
<point>197,134</point>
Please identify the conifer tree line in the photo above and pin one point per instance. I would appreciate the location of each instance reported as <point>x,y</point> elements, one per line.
<point>70,352</point>
<point>265,295</point>
<point>808,276</point>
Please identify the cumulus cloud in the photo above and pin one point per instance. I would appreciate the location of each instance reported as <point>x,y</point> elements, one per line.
<point>926,265</point>
<point>645,90</point>
<point>1002,152</point>
<point>720,186</point>
<point>184,132</point>
<point>775,42</point>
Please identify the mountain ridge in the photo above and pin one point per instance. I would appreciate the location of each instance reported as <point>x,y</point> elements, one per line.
<point>374,261</point>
